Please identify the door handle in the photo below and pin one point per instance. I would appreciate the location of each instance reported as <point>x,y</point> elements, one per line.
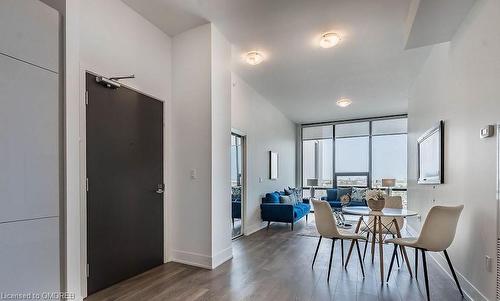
<point>159,188</point>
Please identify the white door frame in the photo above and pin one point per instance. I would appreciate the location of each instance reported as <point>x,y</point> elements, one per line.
<point>84,68</point>
<point>244,193</point>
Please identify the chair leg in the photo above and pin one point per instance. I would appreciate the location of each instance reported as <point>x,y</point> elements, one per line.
<point>316,253</point>
<point>366,244</point>
<point>394,253</point>
<point>233,222</point>
<point>268,223</point>
<point>292,225</point>
<point>453,272</point>
<point>330,264</point>
<point>397,256</point>
<point>307,215</point>
<point>360,259</point>
<point>342,250</point>
<point>426,275</point>
<point>416,263</point>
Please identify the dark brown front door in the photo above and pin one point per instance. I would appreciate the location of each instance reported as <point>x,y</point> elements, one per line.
<point>124,169</point>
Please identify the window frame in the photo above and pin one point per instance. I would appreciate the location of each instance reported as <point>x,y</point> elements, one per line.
<point>370,149</point>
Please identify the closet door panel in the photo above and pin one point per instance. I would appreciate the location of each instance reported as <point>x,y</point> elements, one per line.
<point>29,253</point>
<point>29,30</point>
<point>29,131</point>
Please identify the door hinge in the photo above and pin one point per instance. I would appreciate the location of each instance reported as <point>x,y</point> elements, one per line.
<point>86,97</point>
<point>87,271</point>
<point>87,184</point>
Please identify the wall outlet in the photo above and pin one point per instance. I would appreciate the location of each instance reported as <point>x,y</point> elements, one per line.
<point>488,263</point>
<point>194,176</point>
<point>419,218</point>
<point>260,179</point>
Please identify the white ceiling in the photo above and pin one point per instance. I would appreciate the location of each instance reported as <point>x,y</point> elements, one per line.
<point>369,66</point>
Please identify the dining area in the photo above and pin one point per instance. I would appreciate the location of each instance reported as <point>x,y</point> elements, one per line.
<point>379,228</point>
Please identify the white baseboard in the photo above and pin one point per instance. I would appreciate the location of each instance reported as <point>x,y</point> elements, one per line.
<point>254,228</point>
<point>470,291</point>
<point>194,259</point>
<point>202,260</point>
<point>222,256</point>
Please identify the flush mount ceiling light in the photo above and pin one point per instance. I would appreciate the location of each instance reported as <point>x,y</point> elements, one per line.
<point>329,40</point>
<point>254,57</point>
<point>343,102</point>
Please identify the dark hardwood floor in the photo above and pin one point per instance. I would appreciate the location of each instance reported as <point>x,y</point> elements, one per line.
<point>276,265</point>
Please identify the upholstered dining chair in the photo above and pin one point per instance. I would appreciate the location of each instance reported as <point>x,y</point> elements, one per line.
<point>437,235</point>
<point>395,202</point>
<point>327,227</point>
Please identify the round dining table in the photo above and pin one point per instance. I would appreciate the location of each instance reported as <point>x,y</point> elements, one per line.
<point>377,224</point>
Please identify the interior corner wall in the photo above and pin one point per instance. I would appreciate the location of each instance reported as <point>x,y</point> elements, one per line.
<point>221,148</point>
<point>267,129</point>
<point>189,187</point>
<point>459,84</point>
<point>110,38</point>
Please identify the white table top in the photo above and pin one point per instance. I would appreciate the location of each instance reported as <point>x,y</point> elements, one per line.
<point>390,212</point>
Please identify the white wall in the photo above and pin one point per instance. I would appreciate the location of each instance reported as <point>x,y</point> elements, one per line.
<point>200,144</point>
<point>459,84</point>
<point>109,38</point>
<point>115,40</point>
<point>221,148</point>
<point>266,129</point>
<point>189,199</point>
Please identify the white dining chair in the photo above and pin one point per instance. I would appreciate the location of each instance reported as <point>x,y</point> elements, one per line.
<point>327,227</point>
<point>437,235</point>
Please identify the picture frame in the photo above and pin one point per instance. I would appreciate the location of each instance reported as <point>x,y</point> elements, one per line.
<point>273,165</point>
<point>430,163</point>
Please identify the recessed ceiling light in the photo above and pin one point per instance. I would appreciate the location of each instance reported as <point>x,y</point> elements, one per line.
<point>254,57</point>
<point>344,102</point>
<point>329,40</point>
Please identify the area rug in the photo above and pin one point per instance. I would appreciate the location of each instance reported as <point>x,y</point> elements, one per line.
<point>311,231</point>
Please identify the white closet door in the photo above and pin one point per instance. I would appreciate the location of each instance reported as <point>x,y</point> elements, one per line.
<point>29,31</point>
<point>29,135</point>
<point>29,253</point>
<point>30,148</point>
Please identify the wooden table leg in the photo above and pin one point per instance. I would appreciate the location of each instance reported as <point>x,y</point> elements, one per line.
<point>398,233</point>
<point>381,249</point>
<point>374,236</point>
<point>352,242</point>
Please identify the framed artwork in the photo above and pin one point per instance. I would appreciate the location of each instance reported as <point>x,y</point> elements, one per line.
<point>273,165</point>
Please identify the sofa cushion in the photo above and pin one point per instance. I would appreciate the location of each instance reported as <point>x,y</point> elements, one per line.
<point>331,195</point>
<point>272,198</point>
<point>301,209</point>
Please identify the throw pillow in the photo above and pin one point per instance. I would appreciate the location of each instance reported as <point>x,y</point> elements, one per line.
<point>293,199</point>
<point>343,191</point>
<point>273,198</point>
<point>285,199</point>
<point>358,193</point>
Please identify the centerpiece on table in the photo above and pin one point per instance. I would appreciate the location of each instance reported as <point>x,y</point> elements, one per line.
<point>375,199</point>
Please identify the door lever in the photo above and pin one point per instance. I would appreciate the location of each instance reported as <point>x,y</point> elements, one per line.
<point>159,188</point>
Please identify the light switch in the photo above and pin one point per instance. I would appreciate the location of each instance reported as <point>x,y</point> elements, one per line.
<point>194,176</point>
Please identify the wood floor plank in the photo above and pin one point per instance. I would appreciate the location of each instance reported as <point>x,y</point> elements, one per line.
<point>275,265</point>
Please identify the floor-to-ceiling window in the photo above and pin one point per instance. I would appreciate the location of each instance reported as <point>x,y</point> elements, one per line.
<point>355,153</point>
<point>389,155</point>
<point>317,158</point>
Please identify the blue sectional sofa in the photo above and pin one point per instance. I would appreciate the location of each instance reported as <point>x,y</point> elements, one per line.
<point>333,197</point>
<point>274,211</point>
